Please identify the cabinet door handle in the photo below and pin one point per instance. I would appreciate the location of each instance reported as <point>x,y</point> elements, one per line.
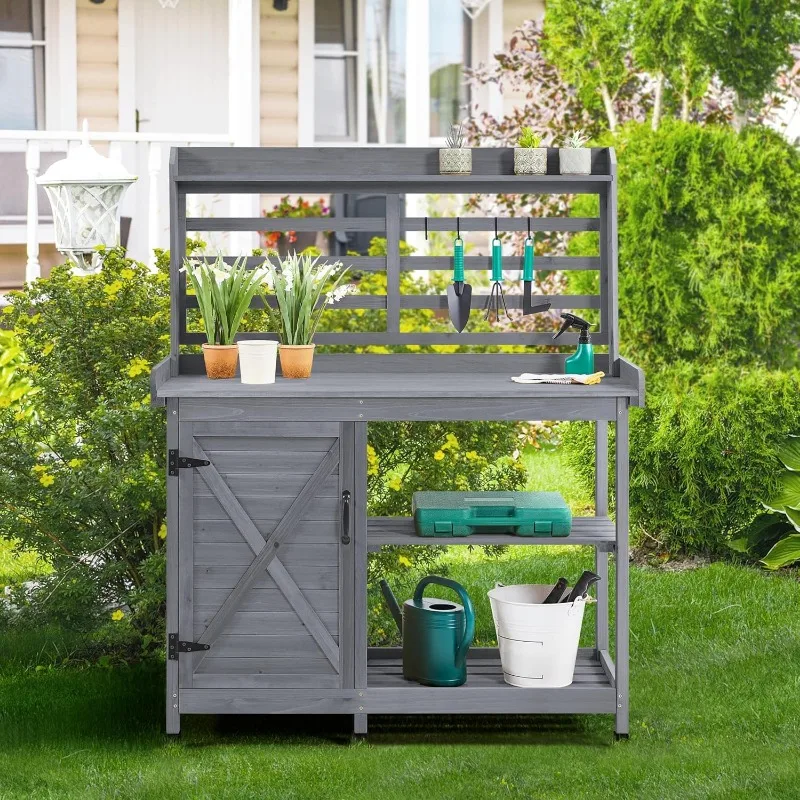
<point>345,517</point>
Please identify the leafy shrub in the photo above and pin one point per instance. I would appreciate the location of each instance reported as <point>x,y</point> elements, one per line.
<point>702,453</point>
<point>83,478</point>
<point>708,225</point>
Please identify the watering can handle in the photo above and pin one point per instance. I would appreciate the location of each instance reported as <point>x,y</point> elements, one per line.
<point>469,611</point>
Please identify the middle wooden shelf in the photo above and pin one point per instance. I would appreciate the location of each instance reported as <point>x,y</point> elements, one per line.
<point>594,531</point>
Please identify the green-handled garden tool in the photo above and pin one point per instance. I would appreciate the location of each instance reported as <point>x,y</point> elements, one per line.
<point>496,298</point>
<point>459,293</point>
<point>527,277</point>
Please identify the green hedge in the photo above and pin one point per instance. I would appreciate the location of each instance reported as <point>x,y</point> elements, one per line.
<point>702,452</point>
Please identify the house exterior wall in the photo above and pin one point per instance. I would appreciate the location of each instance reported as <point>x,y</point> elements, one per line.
<point>279,87</point>
<point>515,12</point>
<point>97,64</point>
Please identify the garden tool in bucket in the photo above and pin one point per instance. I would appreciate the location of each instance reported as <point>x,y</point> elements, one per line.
<point>436,633</point>
<point>538,642</point>
<point>459,293</point>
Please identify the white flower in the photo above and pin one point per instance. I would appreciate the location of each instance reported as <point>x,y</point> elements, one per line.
<point>339,292</point>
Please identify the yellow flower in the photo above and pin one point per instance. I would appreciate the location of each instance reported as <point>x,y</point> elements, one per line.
<point>8,310</point>
<point>372,461</point>
<point>395,484</point>
<point>74,463</point>
<point>117,615</point>
<point>404,561</point>
<point>471,455</point>
<point>19,416</point>
<point>5,402</point>
<point>112,288</point>
<point>137,366</point>
<point>40,468</point>
<point>127,273</point>
<point>47,479</point>
<point>451,443</point>
<point>48,348</point>
<point>162,531</point>
<point>438,455</point>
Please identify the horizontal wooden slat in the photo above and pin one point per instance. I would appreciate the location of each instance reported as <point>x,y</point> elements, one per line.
<point>220,531</point>
<point>273,599</point>
<point>510,263</point>
<point>265,461</point>
<point>462,339</point>
<point>263,622</point>
<point>323,508</point>
<point>356,263</point>
<point>267,444</point>
<point>274,482</point>
<point>230,554</point>
<point>349,301</point>
<point>277,665</point>
<point>260,432</point>
<point>513,301</point>
<point>503,224</point>
<point>306,577</point>
<point>282,224</point>
<point>256,645</point>
<point>224,680</point>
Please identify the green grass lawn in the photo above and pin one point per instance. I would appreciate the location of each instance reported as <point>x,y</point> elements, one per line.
<point>714,702</point>
<point>714,706</point>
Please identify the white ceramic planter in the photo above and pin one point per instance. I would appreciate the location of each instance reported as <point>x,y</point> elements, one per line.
<point>575,160</point>
<point>257,359</point>
<point>455,161</point>
<point>530,160</point>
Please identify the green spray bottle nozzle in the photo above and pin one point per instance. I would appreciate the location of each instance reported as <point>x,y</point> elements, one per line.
<point>574,321</point>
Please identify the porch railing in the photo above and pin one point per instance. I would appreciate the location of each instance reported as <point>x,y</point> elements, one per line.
<point>35,142</point>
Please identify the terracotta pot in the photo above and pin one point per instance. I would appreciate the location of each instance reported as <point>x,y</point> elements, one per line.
<point>220,360</point>
<point>296,360</point>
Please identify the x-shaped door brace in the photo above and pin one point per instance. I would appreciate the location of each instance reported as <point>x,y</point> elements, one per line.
<point>265,551</point>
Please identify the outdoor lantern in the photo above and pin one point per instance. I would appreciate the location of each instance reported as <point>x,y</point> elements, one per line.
<point>85,190</point>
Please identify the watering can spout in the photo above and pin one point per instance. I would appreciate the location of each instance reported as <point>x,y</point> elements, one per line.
<point>391,601</point>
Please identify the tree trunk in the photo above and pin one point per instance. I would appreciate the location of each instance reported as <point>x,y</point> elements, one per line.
<point>658,101</point>
<point>739,113</point>
<point>684,93</point>
<point>608,103</point>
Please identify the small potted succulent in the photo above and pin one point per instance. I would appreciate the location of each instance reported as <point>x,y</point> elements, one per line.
<point>529,157</point>
<point>303,287</point>
<point>223,294</point>
<point>455,159</point>
<point>574,158</point>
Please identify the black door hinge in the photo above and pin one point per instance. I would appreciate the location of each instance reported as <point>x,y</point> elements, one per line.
<point>175,646</point>
<point>176,462</point>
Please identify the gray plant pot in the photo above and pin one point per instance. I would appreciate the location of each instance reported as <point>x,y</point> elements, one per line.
<point>530,160</point>
<point>575,160</point>
<point>455,161</point>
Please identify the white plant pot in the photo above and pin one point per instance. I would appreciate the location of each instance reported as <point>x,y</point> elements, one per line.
<point>455,161</point>
<point>530,160</point>
<point>575,160</point>
<point>257,360</point>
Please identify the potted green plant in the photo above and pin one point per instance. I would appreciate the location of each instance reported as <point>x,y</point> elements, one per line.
<point>455,159</point>
<point>303,287</point>
<point>223,292</point>
<point>574,158</point>
<point>529,157</point>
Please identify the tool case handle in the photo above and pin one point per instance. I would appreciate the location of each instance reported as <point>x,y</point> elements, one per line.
<point>492,522</point>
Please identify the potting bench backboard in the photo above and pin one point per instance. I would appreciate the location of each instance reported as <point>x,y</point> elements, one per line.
<point>267,485</point>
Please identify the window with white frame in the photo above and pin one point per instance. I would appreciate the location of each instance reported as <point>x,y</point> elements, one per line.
<point>362,83</point>
<point>21,64</point>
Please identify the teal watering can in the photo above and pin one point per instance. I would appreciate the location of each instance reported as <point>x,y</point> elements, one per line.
<point>436,633</point>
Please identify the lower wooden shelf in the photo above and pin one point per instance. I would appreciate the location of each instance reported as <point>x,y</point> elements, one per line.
<point>485,692</point>
<point>595,531</point>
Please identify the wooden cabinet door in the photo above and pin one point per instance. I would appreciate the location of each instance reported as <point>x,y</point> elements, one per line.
<point>265,562</point>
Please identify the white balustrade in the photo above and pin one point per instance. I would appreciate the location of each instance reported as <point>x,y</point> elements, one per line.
<point>153,205</point>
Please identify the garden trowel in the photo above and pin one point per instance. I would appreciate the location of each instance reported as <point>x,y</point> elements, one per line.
<point>459,293</point>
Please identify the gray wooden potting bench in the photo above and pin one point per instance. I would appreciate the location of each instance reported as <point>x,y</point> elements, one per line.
<point>267,485</point>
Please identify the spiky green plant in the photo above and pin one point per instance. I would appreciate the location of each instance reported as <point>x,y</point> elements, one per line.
<point>224,292</point>
<point>529,138</point>
<point>303,288</point>
<point>576,139</point>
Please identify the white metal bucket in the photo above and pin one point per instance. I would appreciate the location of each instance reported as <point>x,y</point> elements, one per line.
<point>538,643</point>
<point>257,360</point>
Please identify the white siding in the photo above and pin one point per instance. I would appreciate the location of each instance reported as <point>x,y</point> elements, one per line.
<point>515,12</point>
<point>279,56</point>
<point>97,69</point>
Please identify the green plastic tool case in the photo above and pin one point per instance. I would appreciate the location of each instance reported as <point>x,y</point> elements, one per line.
<point>444,514</point>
